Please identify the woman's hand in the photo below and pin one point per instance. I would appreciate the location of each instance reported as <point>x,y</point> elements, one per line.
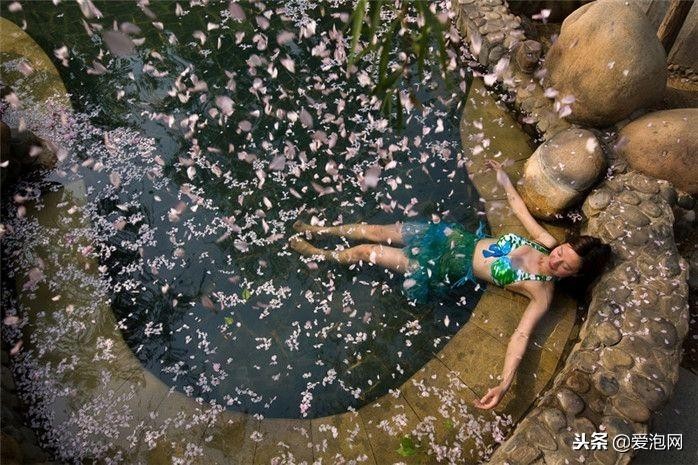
<point>491,399</point>
<point>502,176</point>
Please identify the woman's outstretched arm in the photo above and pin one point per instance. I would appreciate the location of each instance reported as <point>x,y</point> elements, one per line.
<point>540,301</point>
<point>537,232</point>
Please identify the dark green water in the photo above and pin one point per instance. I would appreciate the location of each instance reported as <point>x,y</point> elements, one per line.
<point>205,290</point>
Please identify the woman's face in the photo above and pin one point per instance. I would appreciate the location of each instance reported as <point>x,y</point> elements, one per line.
<point>564,261</point>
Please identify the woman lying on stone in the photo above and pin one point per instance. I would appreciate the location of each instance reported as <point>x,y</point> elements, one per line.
<point>436,257</point>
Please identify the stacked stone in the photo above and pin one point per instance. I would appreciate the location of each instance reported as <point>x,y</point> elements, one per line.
<point>501,36</point>
<point>492,22</point>
<point>626,363</point>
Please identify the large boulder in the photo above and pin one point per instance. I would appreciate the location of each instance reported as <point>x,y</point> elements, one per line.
<point>609,59</point>
<point>664,144</point>
<point>560,172</point>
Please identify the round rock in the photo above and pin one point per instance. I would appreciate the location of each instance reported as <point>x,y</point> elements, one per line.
<point>608,334</point>
<point>554,419</point>
<point>560,171</point>
<point>570,402</point>
<point>631,408</point>
<point>599,199</point>
<point>650,208</point>
<point>578,382</point>
<point>629,197</point>
<point>538,435</point>
<point>663,333</point>
<point>664,145</point>
<point>634,216</point>
<point>608,81</point>
<point>606,383</point>
<point>614,358</point>
<point>650,393</point>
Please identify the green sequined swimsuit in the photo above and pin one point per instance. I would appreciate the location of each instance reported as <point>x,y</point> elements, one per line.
<point>502,270</point>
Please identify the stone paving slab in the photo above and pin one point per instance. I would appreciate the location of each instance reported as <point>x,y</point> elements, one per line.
<point>499,317</point>
<point>282,440</point>
<point>229,441</point>
<point>341,437</point>
<point>386,421</point>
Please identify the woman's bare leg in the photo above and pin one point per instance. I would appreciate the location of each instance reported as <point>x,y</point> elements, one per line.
<point>389,233</point>
<point>387,257</point>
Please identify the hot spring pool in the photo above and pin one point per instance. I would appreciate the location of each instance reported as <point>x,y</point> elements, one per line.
<point>201,148</point>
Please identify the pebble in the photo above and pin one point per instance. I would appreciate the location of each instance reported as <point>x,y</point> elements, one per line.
<point>670,266</point>
<point>614,229</point>
<point>578,382</point>
<point>631,409</point>
<point>650,393</point>
<point>554,419</point>
<point>537,434</point>
<point>570,402</point>
<point>644,184</point>
<point>606,383</point>
<point>614,358</point>
<point>599,199</point>
<point>586,361</point>
<point>629,197</point>
<point>663,333</point>
<point>650,208</point>
<point>638,237</point>
<point>607,333</point>
<point>634,216</point>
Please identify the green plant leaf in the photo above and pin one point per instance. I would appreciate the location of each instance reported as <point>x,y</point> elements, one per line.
<point>407,447</point>
<point>398,105</point>
<point>438,30</point>
<point>385,51</point>
<point>246,294</point>
<point>375,16</point>
<point>423,46</point>
<point>359,13</point>
<point>383,86</point>
<point>228,320</point>
<point>448,423</point>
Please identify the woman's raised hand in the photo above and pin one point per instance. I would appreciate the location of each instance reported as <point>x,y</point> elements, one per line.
<point>502,176</point>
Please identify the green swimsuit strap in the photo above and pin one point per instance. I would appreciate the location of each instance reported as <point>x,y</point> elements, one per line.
<point>536,245</point>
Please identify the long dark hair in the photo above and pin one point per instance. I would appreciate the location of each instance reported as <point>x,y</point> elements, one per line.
<point>595,256</point>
